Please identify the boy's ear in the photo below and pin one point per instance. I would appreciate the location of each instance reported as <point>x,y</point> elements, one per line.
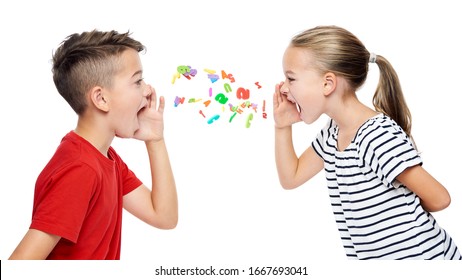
<point>98,99</point>
<point>330,83</point>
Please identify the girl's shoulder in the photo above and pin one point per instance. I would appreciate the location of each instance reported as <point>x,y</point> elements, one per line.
<point>379,125</point>
<point>378,131</point>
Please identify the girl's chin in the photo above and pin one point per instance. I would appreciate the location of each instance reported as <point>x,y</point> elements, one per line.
<point>306,120</point>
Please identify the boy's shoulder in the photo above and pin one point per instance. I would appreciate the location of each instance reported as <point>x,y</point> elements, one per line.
<point>76,154</point>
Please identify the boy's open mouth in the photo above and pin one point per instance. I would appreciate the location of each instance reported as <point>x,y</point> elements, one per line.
<point>142,108</point>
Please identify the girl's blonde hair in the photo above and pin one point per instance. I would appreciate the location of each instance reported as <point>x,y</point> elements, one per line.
<point>339,51</point>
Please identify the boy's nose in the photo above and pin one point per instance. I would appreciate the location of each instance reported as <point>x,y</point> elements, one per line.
<point>147,90</point>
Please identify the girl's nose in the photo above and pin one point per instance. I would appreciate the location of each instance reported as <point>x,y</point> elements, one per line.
<point>284,89</point>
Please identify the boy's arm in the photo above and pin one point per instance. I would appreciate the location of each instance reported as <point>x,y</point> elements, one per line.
<point>36,245</point>
<point>159,206</point>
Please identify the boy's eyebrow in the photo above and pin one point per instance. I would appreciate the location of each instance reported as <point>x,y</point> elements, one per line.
<point>289,72</point>
<point>137,72</point>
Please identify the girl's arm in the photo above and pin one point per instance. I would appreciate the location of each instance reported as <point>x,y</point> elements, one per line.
<point>433,195</point>
<point>292,171</point>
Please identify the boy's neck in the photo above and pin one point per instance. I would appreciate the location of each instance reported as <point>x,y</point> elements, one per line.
<point>95,134</point>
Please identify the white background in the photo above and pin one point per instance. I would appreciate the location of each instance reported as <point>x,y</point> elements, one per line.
<point>233,212</point>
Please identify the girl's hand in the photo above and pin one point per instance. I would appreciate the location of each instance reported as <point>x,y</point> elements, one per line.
<point>151,119</point>
<point>285,113</point>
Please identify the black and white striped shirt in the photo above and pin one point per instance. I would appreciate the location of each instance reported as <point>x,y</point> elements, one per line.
<point>377,217</point>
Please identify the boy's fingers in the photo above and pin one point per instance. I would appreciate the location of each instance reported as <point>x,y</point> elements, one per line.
<point>161,104</point>
<point>149,101</point>
<point>153,98</point>
<point>161,101</point>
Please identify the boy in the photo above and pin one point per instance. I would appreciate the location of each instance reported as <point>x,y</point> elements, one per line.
<point>77,212</point>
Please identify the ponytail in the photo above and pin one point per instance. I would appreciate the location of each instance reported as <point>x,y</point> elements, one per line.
<point>389,98</point>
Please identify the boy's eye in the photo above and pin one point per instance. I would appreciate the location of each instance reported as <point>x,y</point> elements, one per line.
<point>139,81</point>
<point>290,79</point>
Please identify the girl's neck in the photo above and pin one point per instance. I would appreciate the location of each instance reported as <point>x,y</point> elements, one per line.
<point>351,114</point>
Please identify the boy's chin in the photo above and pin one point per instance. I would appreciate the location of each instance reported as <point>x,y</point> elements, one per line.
<point>125,135</point>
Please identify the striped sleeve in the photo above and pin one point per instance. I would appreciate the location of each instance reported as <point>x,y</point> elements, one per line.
<point>320,143</point>
<point>386,149</point>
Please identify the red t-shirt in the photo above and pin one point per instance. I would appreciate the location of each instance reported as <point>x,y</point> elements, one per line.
<point>79,196</point>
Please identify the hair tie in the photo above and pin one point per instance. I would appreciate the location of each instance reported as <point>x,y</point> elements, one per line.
<point>372,57</point>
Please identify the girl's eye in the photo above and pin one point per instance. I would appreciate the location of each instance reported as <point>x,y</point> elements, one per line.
<point>290,79</point>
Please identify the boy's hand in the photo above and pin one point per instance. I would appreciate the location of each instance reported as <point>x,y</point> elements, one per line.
<point>151,119</point>
<point>285,113</point>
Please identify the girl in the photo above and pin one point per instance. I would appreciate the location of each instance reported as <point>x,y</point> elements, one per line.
<point>380,194</point>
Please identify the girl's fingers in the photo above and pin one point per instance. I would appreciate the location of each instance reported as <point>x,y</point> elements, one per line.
<point>278,90</point>
<point>276,97</point>
<point>275,100</point>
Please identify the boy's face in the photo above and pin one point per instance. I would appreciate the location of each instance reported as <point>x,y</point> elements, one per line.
<point>127,96</point>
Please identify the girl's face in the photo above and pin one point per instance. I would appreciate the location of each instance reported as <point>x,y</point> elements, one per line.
<point>303,84</point>
<point>128,95</point>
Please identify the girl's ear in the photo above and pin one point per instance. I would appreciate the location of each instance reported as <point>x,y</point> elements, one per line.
<point>330,83</point>
<point>98,99</point>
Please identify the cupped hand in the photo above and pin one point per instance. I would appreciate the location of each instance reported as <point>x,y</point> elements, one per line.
<point>151,119</point>
<point>285,112</point>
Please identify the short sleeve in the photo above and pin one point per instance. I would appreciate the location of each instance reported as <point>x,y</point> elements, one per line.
<point>321,143</point>
<point>387,150</point>
<point>128,177</point>
<point>62,203</point>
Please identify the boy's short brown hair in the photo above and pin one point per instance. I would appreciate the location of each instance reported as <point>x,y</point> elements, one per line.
<point>89,59</point>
